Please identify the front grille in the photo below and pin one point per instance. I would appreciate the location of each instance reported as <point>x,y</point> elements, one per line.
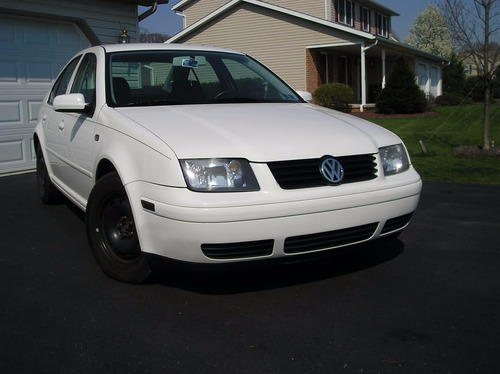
<point>238,250</point>
<point>330,239</point>
<point>297,174</point>
<point>396,223</point>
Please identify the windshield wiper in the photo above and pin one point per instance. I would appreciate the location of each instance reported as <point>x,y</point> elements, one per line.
<point>155,102</point>
<point>241,99</point>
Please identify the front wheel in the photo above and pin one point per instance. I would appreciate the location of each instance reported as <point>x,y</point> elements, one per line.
<point>112,233</point>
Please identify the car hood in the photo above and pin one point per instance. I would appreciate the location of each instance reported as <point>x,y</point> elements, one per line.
<point>259,132</point>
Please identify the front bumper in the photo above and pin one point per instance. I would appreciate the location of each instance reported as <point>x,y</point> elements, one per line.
<point>217,228</point>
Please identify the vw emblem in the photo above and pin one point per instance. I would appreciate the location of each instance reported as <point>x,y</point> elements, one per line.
<point>331,170</point>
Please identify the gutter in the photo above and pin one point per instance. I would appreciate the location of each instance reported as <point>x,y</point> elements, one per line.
<point>150,11</point>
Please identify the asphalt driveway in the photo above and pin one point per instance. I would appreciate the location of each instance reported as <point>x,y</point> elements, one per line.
<point>426,303</point>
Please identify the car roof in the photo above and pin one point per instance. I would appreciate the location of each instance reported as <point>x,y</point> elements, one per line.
<point>160,47</point>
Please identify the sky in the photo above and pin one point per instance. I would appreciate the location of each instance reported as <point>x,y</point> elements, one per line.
<point>165,21</point>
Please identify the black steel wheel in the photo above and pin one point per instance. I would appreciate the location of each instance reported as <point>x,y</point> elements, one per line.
<point>112,233</point>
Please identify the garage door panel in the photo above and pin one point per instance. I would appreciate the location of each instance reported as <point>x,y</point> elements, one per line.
<point>19,111</point>
<point>9,72</point>
<point>39,72</point>
<point>17,152</point>
<point>12,151</point>
<point>10,113</point>
<point>7,31</point>
<point>33,109</point>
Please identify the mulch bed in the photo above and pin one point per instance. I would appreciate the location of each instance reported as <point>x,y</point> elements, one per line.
<point>473,151</point>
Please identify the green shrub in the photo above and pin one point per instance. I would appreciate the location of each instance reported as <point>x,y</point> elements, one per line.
<point>453,75</point>
<point>401,93</point>
<point>336,96</point>
<point>474,88</point>
<point>449,99</point>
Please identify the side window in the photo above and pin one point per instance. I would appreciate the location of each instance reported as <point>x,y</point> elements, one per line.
<point>85,79</point>
<point>62,82</point>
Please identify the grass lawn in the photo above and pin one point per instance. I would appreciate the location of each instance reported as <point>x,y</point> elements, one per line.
<point>452,127</point>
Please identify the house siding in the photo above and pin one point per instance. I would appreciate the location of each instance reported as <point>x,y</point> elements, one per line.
<point>291,36</point>
<point>102,20</point>
<point>315,8</point>
<point>197,9</point>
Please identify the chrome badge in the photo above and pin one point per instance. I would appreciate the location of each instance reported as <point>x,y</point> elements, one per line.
<point>332,170</point>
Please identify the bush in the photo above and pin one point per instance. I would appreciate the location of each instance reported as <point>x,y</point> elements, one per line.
<point>336,96</point>
<point>401,94</point>
<point>449,99</point>
<point>474,88</point>
<point>453,76</point>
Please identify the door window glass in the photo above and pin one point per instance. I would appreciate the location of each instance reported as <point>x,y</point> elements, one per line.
<point>85,79</point>
<point>61,85</point>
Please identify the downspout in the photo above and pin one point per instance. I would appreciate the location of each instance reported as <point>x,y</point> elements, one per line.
<point>184,20</point>
<point>363,73</point>
<point>148,12</point>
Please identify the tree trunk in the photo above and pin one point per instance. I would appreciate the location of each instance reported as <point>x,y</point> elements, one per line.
<point>486,116</point>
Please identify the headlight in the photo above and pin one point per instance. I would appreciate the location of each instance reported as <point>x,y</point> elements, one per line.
<point>394,159</point>
<point>219,174</point>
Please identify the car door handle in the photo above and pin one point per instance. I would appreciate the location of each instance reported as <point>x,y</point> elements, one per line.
<point>61,125</point>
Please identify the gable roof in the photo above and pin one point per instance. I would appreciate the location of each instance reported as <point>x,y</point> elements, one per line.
<point>370,3</point>
<point>272,7</point>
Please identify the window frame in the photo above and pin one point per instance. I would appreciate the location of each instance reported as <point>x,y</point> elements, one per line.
<point>365,18</point>
<point>345,12</point>
<point>88,60</point>
<point>382,25</point>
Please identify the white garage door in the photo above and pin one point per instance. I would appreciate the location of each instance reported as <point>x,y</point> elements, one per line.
<point>32,52</point>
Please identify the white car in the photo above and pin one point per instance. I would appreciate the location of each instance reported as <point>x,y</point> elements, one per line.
<point>203,155</point>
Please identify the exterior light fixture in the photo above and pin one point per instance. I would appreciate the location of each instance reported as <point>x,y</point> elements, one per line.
<point>124,37</point>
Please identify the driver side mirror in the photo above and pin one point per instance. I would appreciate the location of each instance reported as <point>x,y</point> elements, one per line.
<point>74,102</point>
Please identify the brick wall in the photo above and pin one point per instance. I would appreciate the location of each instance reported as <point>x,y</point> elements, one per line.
<point>313,80</point>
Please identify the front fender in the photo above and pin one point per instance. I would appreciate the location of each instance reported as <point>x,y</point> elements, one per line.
<point>135,160</point>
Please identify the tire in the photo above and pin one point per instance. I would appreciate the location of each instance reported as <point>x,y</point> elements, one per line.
<point>112,233</point>
<point>47,192</point>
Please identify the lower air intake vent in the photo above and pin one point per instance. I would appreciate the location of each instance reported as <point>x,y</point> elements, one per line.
<point>238,250</point>
<point>397,223</point>
<point>330,239</point>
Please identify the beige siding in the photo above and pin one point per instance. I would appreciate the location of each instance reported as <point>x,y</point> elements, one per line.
<point>277,40</point>
<point>197,9</point>
<point>315,8</point>
<point>104,17</point>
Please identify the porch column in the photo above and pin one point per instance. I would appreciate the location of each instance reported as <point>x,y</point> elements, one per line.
<point>383,68</point>
<point>363,78</point>
<point>363,73</point>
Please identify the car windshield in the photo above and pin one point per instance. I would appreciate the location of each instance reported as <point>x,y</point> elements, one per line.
<point>147,78</point>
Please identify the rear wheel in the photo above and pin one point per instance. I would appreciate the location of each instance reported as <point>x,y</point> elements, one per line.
<point>112,233</point>
<point>47,192</point>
